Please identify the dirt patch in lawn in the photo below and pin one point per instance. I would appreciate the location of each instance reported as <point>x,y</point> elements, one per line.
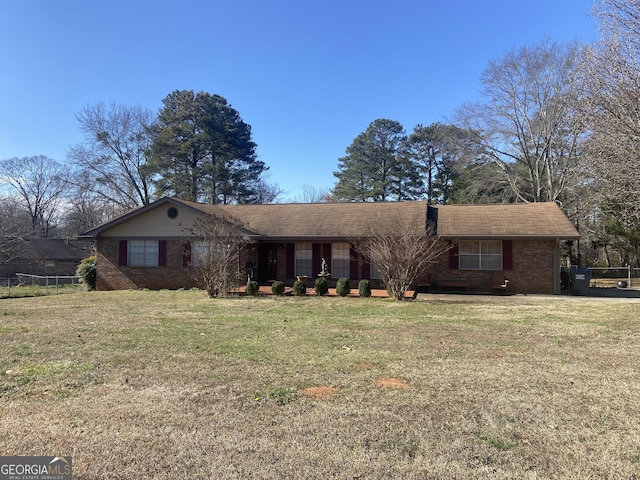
<point>390,382</point>
<point>318,393</point>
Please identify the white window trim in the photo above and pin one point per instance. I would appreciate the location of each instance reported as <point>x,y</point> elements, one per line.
<point>150,251</point>
<point>199,253</point>
<point>338,258</point>
<point>480,255</point>
<point>308,257</point>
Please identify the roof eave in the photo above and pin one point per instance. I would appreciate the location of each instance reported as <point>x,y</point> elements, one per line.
<point>509,237</point>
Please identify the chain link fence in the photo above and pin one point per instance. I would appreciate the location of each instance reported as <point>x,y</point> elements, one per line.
<point>26,285</point>
<point>605,277</point>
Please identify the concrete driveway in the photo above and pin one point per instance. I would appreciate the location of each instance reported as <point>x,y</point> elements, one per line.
<point>594,295</point>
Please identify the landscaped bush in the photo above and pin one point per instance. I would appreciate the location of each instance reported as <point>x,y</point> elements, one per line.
<point>342,287</point>
<point>364,288</point>
<point>299,288</point>
<point>86,270</point>
<point>277,288</point>
<point>321,287</point>
<point>252,288</point>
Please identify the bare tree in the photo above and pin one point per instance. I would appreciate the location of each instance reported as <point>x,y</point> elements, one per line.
<point>41,184</point>
<point>610,79</point>
<point>216,243</point>
<point>115,152</point>
<point>88,209</point>
<point>401,255</point>
<point>312,194</point>
<point>263,192</point>
<point>15,223</point>
<point>529,125</point>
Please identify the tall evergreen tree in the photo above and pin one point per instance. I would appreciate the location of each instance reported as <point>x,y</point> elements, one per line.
<point>439,153</point>
<point>374,168</point>
<point>202,150</point>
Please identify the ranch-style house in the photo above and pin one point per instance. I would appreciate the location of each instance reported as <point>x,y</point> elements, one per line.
<point>150,247</point>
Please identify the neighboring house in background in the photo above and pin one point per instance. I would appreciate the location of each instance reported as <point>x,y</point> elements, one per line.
<point>149,247</point>
<point>45,256</point>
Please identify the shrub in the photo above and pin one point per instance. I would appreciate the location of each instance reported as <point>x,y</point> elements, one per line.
<point>342,287</point>
<point>277,288</point>
<point>364,288</point>
<point>321,286</point>
<point>299,288</point>
<point>86,270</point>
<point>252,288</point>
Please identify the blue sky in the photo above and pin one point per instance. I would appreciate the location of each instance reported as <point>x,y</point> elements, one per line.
<point>307,76</point>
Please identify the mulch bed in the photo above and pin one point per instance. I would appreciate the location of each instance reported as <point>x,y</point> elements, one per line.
<point>288,291</point>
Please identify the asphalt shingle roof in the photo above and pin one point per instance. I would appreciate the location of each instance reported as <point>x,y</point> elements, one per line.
<point>351,220</point>
<point>544,219</point>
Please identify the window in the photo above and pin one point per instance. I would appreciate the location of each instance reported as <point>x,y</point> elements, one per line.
<point>199,252</point>
<point>143,253</point>
<point>304,258</point>
<point>340,260</point>
<point>375,274</point>
<point>49,266</point>
<point>480,254</point>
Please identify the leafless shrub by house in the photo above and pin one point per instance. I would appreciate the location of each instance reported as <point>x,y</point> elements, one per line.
<point>401,255</point>
<point>214,247</point>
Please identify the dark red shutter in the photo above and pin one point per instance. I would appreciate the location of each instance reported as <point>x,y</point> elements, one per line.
<point>366,268</point>
<point>122,253</point>
<point>316,259</point>
<point>186,254</point>
<point>354,260</point>
<point>453,256</point>
<point>162,253</point>
<point>326,254</point>
<point>507,254</point>
<point>291,260</point>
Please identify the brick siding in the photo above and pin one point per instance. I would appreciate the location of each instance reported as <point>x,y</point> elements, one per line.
<point>533,268</point>
<point>112,276</point>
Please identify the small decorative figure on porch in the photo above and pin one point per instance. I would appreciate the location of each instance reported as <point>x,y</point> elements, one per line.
<point>323,270</point>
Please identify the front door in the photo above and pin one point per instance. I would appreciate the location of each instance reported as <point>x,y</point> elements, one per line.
<point>267,262</point>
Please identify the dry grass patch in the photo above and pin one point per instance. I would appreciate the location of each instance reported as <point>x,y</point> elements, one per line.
<point>318,393</point>
<point>392,383</point>
<point>174,384</point>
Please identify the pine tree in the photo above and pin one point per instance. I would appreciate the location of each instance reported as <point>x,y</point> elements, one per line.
<point>202,150</point>
<point>374,168</point>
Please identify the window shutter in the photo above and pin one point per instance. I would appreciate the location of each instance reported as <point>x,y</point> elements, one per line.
<point>453,256</point>
<point>316,259</point>
<point>507,254</point>
<point>366,268</point>
<point>162,253</point>
<point>291,260</point>
<point>354,260</point>
<point>326,253</point>
<point>122,253</point>
<point>186,254</point>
